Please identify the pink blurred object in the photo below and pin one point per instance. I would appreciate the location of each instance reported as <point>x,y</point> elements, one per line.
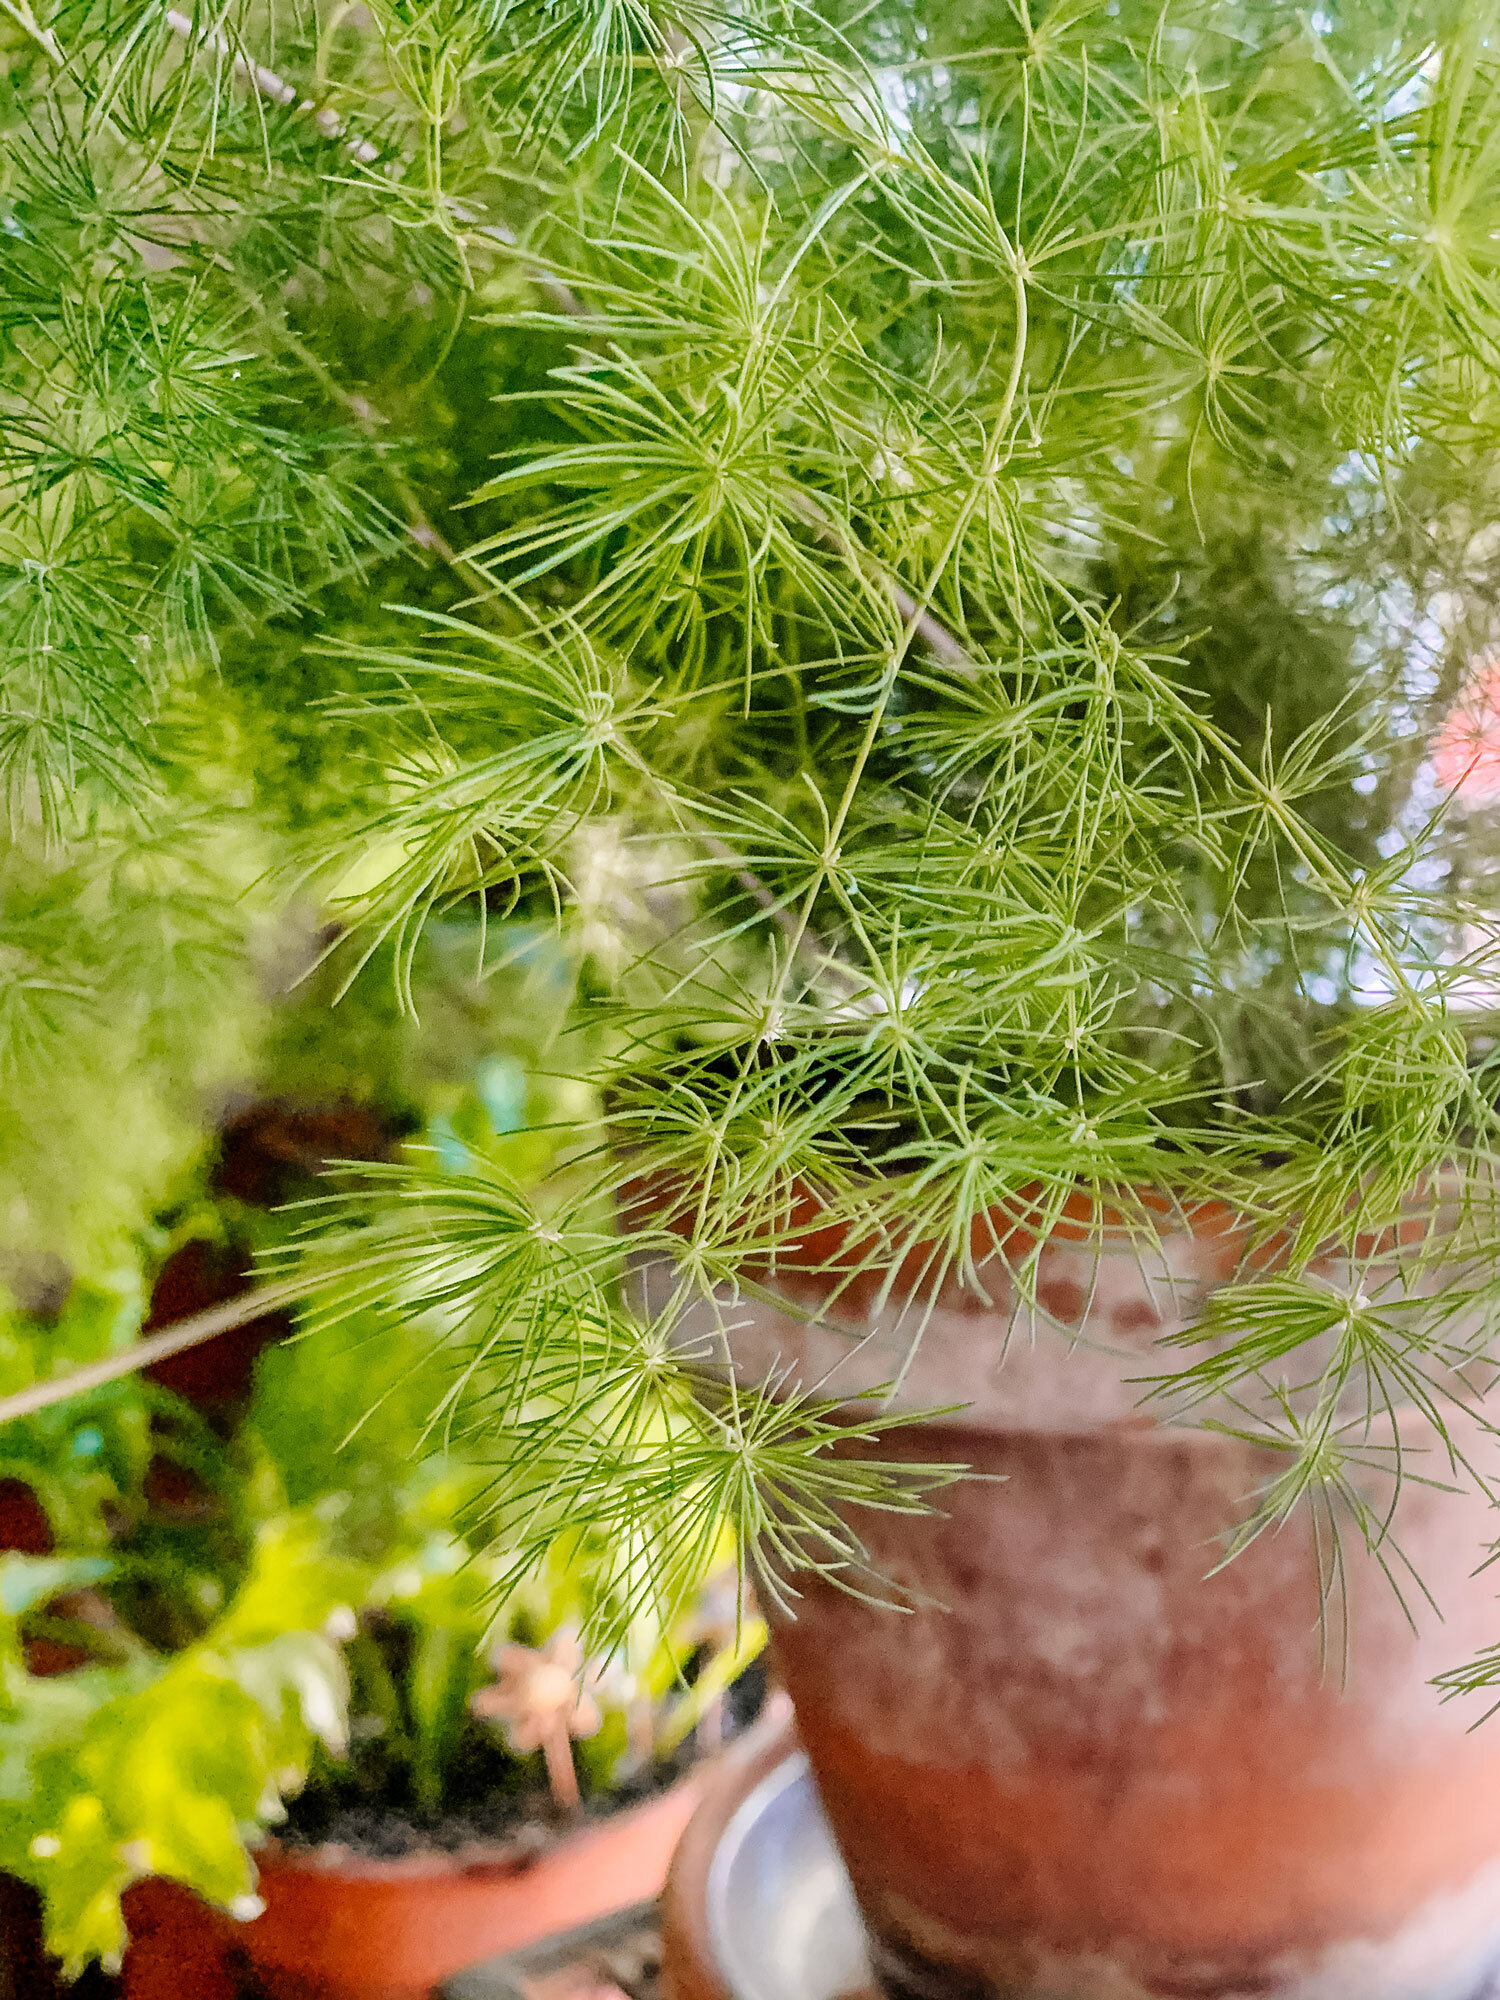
<point>1466,749</point>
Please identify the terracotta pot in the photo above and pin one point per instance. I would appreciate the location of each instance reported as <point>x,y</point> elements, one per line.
<point>270,1149</point>
<point>24,1525</point>
<point>1093,1771</point>
<point>179,1946</point>
<point>338,1927</point>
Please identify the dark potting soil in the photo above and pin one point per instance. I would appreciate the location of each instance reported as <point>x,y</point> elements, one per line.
<point>529,1821</point>
<point>490,1799</point>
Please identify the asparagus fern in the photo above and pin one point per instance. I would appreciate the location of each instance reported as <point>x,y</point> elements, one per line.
<point>927,546</point>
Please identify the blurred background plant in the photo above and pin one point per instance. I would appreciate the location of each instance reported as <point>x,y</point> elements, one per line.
<point>253,1580</point>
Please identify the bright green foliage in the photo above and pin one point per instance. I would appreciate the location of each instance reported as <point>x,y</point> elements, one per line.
<point>160,1765</point>
<point>80,1457</point>
<point>926,544</point>
<point>122,962</point>
<point>203,1667</point>
<point>223,1660</point>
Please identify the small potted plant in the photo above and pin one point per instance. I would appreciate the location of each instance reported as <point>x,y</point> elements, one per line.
<point>305,1655</point>
<point>495,1791</point>
<point>499,1783</point>
<point>491,1786</point>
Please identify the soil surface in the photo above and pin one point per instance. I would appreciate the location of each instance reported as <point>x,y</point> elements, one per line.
<point>530,1821</point>
<point>491,1802</point>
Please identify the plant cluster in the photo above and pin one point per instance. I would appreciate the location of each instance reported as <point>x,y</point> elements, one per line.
<point>225,1623</point>
<point>165,1670</point>
<point>927,544</point>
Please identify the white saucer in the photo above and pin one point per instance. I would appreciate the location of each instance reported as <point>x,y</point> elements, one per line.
<point>781,1915</point>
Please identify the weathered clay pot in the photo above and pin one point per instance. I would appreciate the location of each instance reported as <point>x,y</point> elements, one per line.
<point>338,1926</point>
<point>1092,1770</point>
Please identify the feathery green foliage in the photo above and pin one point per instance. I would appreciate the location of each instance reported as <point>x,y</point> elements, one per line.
<point>926,544</point>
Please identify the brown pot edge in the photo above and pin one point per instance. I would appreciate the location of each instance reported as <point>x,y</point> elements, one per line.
<point>688,1969</point>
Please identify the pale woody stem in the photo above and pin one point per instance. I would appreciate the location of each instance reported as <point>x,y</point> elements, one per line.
<point>562,1774</point>
<point>269,84</point>
<point>146,1353</point>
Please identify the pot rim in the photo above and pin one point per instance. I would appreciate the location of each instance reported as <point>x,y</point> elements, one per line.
<point>1085,1219</point>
